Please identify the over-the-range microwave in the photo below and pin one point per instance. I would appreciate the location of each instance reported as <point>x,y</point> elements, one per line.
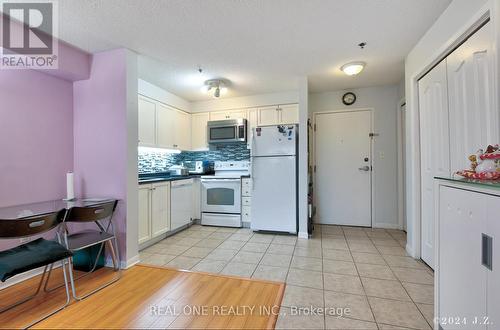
<point>227,131</point>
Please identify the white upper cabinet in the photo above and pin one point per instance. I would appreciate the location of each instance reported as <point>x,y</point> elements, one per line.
<point>474,120</point>
<point>230,114</point>
<point>199,131</point>
<point>182,130</point>
<point>147,122</point>
<point>289,114</point>
<point>165,126</point>
<point>269,116</point>
<point>218,115</point>
<point>253,121</point>
<point>162,126</point>
<point>281,114</point>
<point>237,114</point>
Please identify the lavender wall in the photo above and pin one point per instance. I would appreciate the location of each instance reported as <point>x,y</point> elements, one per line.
<point>100,134</point>
<point>36,136</point>
<point>73,63</point>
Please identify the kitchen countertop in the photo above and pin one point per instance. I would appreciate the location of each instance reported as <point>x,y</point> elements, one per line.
<point>152,178</point>
<point>494,184</point>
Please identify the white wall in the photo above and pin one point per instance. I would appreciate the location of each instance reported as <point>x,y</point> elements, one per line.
<point>132,138</point>
<point>449,27</point>
<point>245,101</point>
<point>384,102</point>
<point>161,95</point>
<point>302,169</point>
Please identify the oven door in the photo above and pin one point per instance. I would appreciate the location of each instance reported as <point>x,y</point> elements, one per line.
<point>221,195</point>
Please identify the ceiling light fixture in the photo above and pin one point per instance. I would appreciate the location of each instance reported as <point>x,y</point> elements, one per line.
<point>353,68</point>
<point>216,87</point>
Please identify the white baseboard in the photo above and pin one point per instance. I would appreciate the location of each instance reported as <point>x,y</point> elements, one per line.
<point>303,234</point>
<point>409,250</point>
<point>131,262</point>
<point>124,264</point>
<point>387,225</point>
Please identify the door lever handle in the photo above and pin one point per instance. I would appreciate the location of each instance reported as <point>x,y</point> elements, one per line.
<point>364,168</point>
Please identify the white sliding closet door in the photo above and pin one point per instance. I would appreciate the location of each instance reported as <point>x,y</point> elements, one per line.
<point>434,148</point>
<point>474,121</point>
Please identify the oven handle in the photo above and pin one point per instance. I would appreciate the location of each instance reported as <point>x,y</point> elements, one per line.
<point>226,180</point>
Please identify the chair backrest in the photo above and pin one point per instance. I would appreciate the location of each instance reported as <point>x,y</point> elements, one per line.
<point>29,226</point>
<point>91,213</point>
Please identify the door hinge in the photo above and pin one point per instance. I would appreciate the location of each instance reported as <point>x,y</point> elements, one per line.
<point>314,168</point>
<point>373,134</point>
<point>315,127</point>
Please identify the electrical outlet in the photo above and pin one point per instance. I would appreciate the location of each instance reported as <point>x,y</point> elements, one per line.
<point>24,240</point>
<point>381,155</point>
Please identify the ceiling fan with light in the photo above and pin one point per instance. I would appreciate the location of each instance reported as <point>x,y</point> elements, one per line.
<point>216,87</point>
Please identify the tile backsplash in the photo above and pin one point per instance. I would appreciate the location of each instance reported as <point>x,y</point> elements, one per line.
<point>154,161</point>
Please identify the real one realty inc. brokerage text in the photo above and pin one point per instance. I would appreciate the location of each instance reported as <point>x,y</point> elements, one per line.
<point>228,310</point>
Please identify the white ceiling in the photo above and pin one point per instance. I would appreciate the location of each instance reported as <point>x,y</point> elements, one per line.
<point>260,45</point>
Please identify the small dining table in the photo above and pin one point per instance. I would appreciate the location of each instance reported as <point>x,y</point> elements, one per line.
<point>41,208</point>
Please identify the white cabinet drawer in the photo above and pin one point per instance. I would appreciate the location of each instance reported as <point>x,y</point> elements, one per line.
<point>246,216</point>
<point>246,191</point>
<point>246,187</point>
<point>246,201</point>
<point>246,182</point>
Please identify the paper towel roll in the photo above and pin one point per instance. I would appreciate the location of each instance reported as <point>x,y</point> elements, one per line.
<point>70,186</point>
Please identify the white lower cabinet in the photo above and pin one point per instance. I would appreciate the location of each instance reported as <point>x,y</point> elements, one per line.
<point>154,210</point>
<point>160,209</point>
<point>466,278</point>
<point>144,213</point>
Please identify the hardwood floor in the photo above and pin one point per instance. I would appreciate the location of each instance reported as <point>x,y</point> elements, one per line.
<point>153,297</point>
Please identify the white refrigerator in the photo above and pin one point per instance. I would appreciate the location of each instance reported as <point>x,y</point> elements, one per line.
<point>274,176</point>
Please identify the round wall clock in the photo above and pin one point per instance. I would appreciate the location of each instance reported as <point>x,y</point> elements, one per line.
<point>349,98</point>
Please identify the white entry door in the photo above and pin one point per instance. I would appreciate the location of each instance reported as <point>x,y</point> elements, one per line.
<point>343,168</point>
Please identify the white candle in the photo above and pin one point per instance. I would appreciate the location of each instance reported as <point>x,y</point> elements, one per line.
<point>70,186</point>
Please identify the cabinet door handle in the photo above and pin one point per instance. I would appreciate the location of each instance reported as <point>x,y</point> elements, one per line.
<point>487,251</point>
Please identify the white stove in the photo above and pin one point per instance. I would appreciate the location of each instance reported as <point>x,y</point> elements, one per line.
<point>235,169</point>
<point>221,194</point>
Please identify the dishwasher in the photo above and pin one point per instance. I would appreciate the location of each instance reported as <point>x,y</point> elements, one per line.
<point>181,201</point>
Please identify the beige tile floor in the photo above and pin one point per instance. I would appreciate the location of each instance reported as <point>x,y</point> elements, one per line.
<point>362,273</point>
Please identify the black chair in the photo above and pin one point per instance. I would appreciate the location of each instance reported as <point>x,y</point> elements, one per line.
<point>32,255</point>
<point>105,234</point>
